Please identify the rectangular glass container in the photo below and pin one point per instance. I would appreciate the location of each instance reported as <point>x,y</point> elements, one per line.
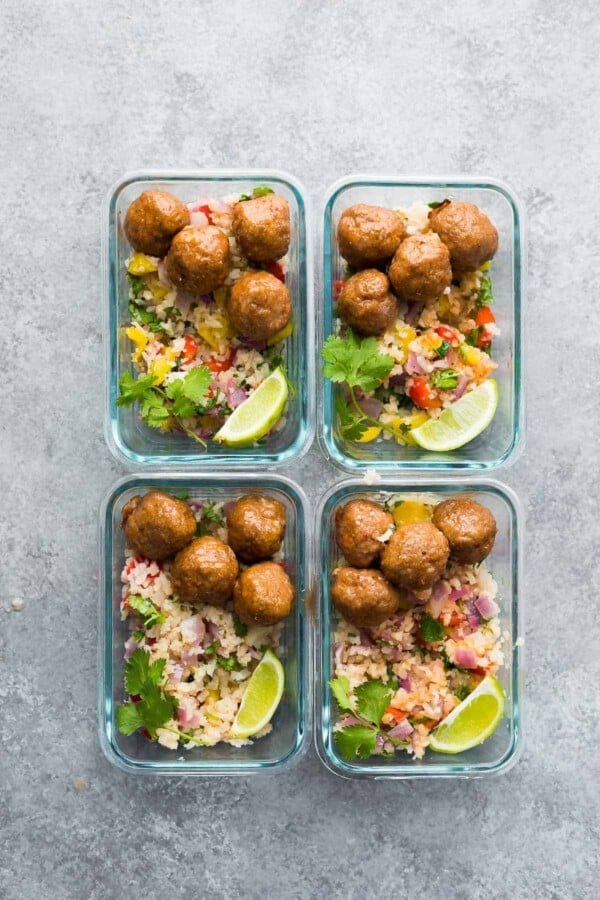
<point>291,724</point>
<point>128,437</point>
<point>499,441</point>
<point>499,752</point>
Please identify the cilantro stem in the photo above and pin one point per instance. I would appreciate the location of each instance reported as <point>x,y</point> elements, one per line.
<point>187,430</point>
<point>185,737</point>
<point>382,425</point>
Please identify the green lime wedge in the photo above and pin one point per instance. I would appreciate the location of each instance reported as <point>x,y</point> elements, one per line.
<point>473,721</point>
<point>256,416</point>
<point>261,697</point>
<point>461,422</point>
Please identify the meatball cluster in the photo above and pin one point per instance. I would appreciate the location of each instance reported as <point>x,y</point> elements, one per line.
<point>383,562</point>
<point>419,267</point>
<point>206,569</point>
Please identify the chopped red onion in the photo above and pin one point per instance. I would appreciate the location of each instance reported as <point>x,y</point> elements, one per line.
<point>213,631</point>
<point>195,505</point>
<point>397,380</point>
<point>474,621</point>
<point>254,653</point>
<point>406,685</point>
<point>371,406</point>
<point>198,219</point>
<point>189,656</point>
<point>183,303</point>
<point>459,594</point>
<point>192,630</point>
<point>439,595</point>
<point>413,311</point>
<point>253,344</point>
<point>176,673</point>
<point>235,394</point>
<point>465,658</point>
<point>379,742</point>
<point>227,507</point>
<point>460,387</point>
<point>131,646</point>
<point>386,635</point>
<point>401,731</point>
<point>412,365</point>
<point>162,273</point>
<point>338,653</point>
<point>349,720</point>
<point>486,607</point>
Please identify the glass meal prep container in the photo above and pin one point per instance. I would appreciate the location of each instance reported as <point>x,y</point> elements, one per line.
<point>497,443</point>
<point>128,437</point>
<point>500,751</point>
<point>284,745</point>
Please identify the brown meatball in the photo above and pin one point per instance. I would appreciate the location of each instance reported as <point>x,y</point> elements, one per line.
<point>198,261</point>
<point>469,527</point>
<point>262,227</point>
<point>366,302</point>
<point>467,232</point>
<point>358,525</point>
<point>420,269</point>
<point>255,527</point>
<point>369,235</point>
<point>158,525</point>
<point>263,595</point>
<point>259,305</point>
<point>153,219</point>
<point>363,596</point>
<point>205,572</point>
<point>415,556</point>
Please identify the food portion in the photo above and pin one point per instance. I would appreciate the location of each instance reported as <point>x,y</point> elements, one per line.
<point>210,311</point>
<point>417,640</point>
<point>411,348</point>
<point>203,654</point>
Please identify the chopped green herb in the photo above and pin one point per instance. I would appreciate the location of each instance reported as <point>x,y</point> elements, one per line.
<point>138,636</point>
<point>431,629</point>
<point>146,610</point>
<point>240,629</point>
<point>472,339</point>
<point>442,350</point>
<point>143,316</point>
<point>172,312</point>
<point>181,495</point>
<point>211,650</point>
<point>262,191</point>
<point>136,284</point>
<point>435,203</point>
<point>155,707</point>
<point>462,692</point>
<point>445,379</point>
<point>484,295</point>
<point>229,663</point>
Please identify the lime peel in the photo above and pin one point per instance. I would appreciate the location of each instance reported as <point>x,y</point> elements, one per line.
<point>460,423</point>
<point>261,697</point>
<point>472,721</point>
<point>256,416</point>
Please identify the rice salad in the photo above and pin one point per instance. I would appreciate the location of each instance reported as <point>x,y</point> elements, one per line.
<point>208,654</point>
<point>173,332</point>
<point>430,655</point>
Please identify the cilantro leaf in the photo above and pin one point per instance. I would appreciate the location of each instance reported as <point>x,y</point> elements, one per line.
<point>240,629</point>
<point>147,611</point>
<point>431,629</point>
<point>340,688</point>
<point>435,203</point>
<point>136,671</point>
<point>181,495</point>
<point>129,718</point>
<point>356,740</point>
<point>156,671</point>
<point>445,379</point>
<point>136,284</point>
<point>462,692</point>
<point>356,361</point>
<point>484,295</point>
<point>142,315</point>
<point>172,312</point>
<point>209,512</point>
<point>156,416</point>
<point>196,384</point>
<point>132,390</point>
<point>156,707</point>
<point>229,663</point>
<point>372,700</point>
<point>262,191</point>
<point>472,339</point>
<point>211,649</point>
<point>442,350</point>
<point>351,426</point>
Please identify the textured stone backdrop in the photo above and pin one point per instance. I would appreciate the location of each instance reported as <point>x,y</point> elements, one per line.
<point>91,90</point>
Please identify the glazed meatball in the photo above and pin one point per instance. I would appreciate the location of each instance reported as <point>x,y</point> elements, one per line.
<point>467,233</point>
<point>263,595</point>
<point>198,261</point>
<point>420,269</point>
<point>415,556</point>
<point>259,305</point>
<point>366,303</point>
<point>205,572</point>
<point>469,527</point>
<point>358,525</point>
<point>255,527</point>
<point>158,525</point>
<point>369,235</point>
<point>153,219</point>
<point>262,227</point>
<point>363,596</point>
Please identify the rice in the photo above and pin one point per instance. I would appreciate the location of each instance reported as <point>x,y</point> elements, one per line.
<point>429,682</point>
<point>208,695</point>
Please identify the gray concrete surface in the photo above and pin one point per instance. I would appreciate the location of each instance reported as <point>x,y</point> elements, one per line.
<point>90,90</point>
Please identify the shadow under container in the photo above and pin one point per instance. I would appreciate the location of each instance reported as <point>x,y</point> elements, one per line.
<point>500,751</point>
<point>284,745</point>
<point>130,439</point>
<point>498,443</point>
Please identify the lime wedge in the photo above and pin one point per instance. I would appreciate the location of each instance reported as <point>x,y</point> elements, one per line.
<point>474,720</point>
<point>261,697</point>
<point>461,422</point>
<point>256,416</point>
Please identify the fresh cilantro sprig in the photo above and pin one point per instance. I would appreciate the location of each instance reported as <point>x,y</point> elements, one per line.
<point>180,399</point>
<point>358,363</point>
<point>371,699</point>
<point>485,296</point>
<point>146,610</point>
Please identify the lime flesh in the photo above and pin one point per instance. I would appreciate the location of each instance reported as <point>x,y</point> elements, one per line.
<point>261,698</point>
<point>461,422</point>
<point>256,416</point>
<point>473,721</point>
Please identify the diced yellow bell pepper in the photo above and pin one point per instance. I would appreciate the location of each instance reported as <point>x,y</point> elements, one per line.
<point>217,336</point>
<point>405,335</point>
<point>411,422</point>
<point>430,341</point>
<point>140,264</point>
<point>370,434</point>
<point>471,355</point>
<point>167,425</point>
<point>220,295</point>
<point>159,290</point>
<point>486,266</point>
<point>409,512</point>
<point>160,368</point>
<point>139,338</point>
<point>212,696</point>
<point>281,335</point>
<point>443,307</point>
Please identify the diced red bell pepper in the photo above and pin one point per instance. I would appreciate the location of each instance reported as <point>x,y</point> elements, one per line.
<point>398,714</point>
<point>422,395</point>
<point>276,270</point>
<point>221,365</point>
<point>337,287</point>
<point>207,213</point>
<point>447,334</point>
<point>190,349</point>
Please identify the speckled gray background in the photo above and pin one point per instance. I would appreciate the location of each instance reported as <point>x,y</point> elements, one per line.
<point>91,90</point>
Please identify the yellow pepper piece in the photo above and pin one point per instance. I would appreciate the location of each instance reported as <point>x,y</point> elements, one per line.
<point>430,341</point>
<point>486,266</point>
<point>160,368</point>
<point>159,290</point>
<point>412,422</point>
<point>406,335</point>
<point>370,435</point>
<point>167,425</point>
<point>409,512</point>
<point>471,355</point>
<point>443,307</point>
<point>281,335</point>
<point>140,264</point>
<point>139,338</point>
<point>217,336</point>
<point>220,295</point>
